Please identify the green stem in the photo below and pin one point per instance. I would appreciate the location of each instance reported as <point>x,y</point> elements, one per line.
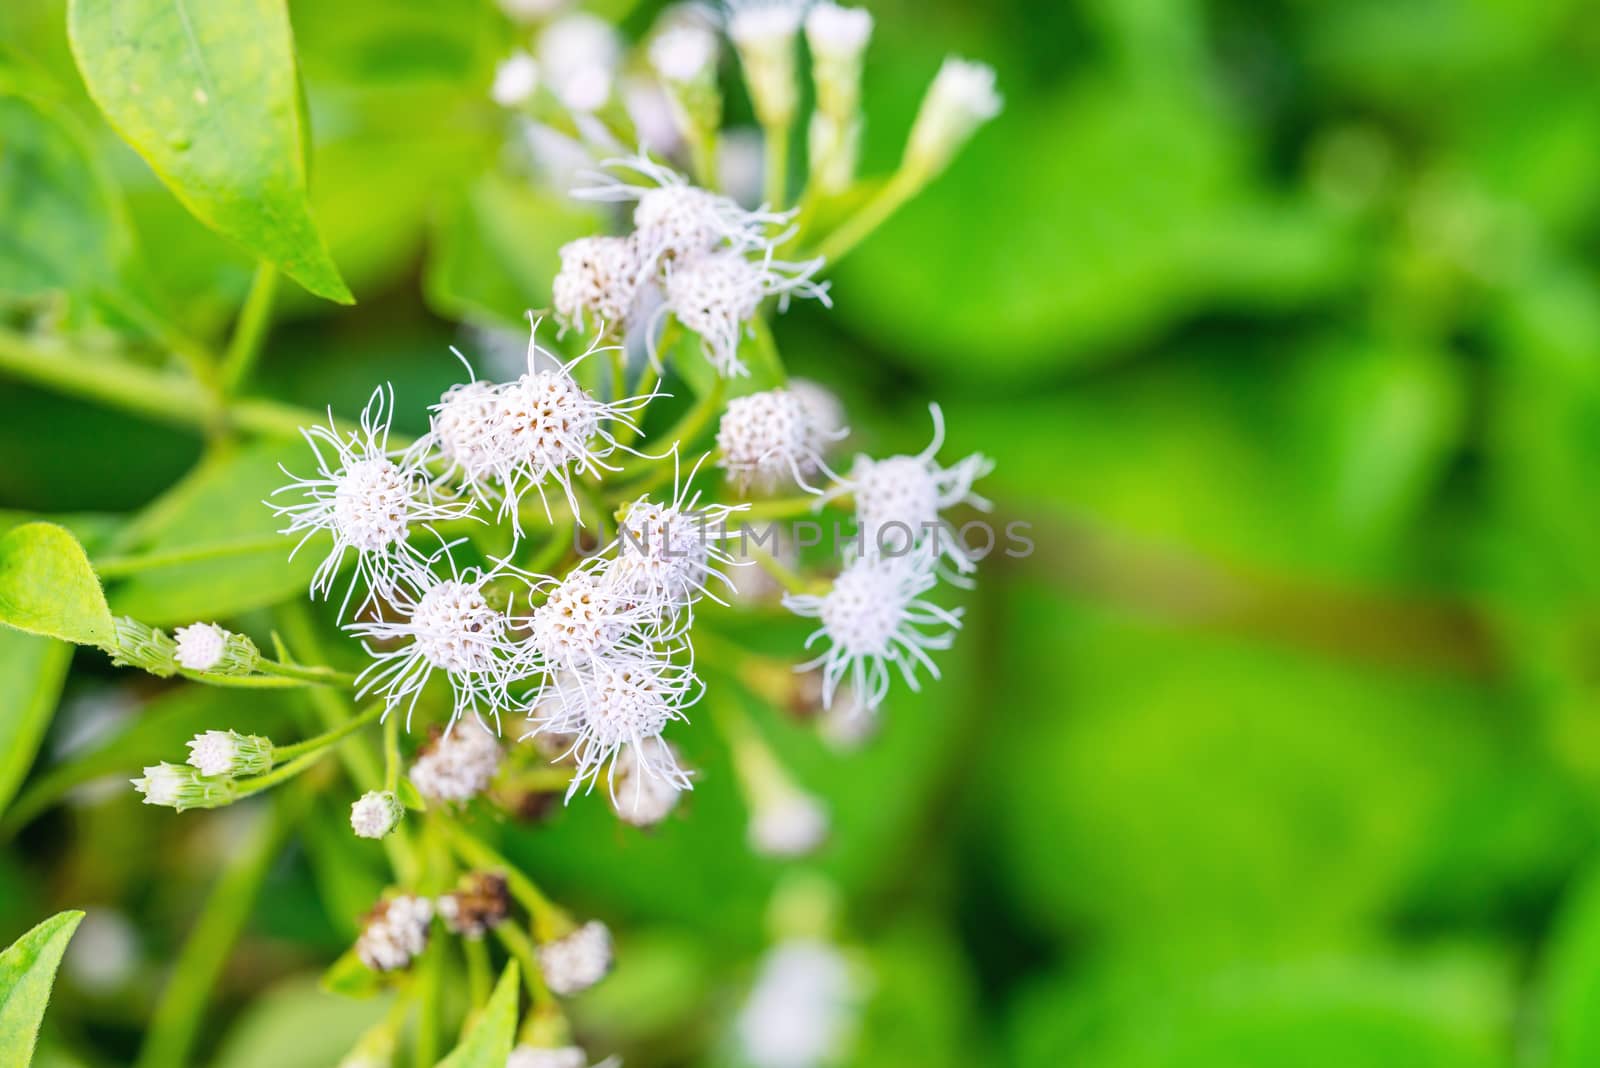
<point>871,215</point>
<point>322,676</point>
<point>686,430</point>
<point>171,1035</point>
<point>391,754</point>
<point>245,682</point>
<point>549,919</point>
<point>311,745</point>
<point>280,774</point>
<point>117,566</point>
<point>776,139</point>
<point>781,508</point>
<point>478,978</point>
<point>251,329</point>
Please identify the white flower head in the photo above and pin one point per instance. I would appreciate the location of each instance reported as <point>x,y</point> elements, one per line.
<point>574,962</point>
<point>641,797</point>
<point>685,53</point>
<point>207,647</point>
<point>872,617</point>
<point>613,706</point>
<point>541,428</point>
<point>961,99</point>
<point>584,617</point>
<point>516,79</point>
<point>598,281</point>
<point>580,54</point>
<point>838,38</point>
<point>900,500</point>
<point>458,765</point>
<point>787,822</point>
<point>675,220</point>
<point>766,438</point>
<point>230,753</point>
<point>825,413</point>
<point>764,33</point>
<point>452,628</point>
<point>375,814</point>
<point>803,1009</point>
<point>670,554</point>
<point>718,293</point>
<point>396,932</point>
<point>180,787</point>
<point>368,500</point>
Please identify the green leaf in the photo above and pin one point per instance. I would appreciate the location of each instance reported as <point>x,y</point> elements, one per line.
<point>65,228</point>
<point>322,1028</point>
<point>47,586</point>
<point>27,969</point>
<point>350,977</point>
<point>222,506</point>
<point>32,670</point>
<point>1572,979</point>
<point>208,95</point>
<point>487,1042</point>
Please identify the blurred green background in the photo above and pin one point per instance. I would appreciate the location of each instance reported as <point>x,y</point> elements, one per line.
<point>1281,320</point>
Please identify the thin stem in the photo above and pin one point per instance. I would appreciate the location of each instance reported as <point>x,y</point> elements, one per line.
<point>478,978</point>
<point>520,946</point>
<point>246,682</point>
<point>781,573</point>
<point>871,215</point>
<point>176,1020</point>
<point>549,919</point>
<point>280,774</point>
<point>391,754</point>
<point>251,328</point>
<point>310,745</point>
<point>776,138</point>
<point>322,676</point>
<point>117,566</point>
<point>689,427</point>
<point>782,507</point>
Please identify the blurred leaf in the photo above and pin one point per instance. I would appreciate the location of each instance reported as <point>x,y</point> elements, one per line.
<point>296,1025</point>
<point>496,249</point>
<point>32,670</point>
<point>222,505</point>
<point>918,1002</point>
<point>350,977</point>
<point>1571,979</point>
<point>47,586</point>
<point>209,97</point>
<point>350,876</point>
<point>65,227</point>
<point>488,1038</point>
<point>27,971</point>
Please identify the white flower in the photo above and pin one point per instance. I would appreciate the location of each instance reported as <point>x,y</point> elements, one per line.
<point>179,786</point>
<point>579,54</point>
<point>768,437</point>
<point>611,706</point>
<point>838,37</point>
<point>684,53</point>
<point>577,961</point>
<point>961,98</point>
<point>763,32</point>
<point>367,500</point>
<point>230,753</point>
<point>803,1008</point>
<point>824,413</point>
<point>525,1056</point>
<point>718,293</point>
<point>515,80</point>
<point>207,647</point>
<point>788,822</point>
<point>639,797</point>
<point>599,279</point>
<point>396,932</point>
<point>458,765</point>
<point>586,617</point>
<point>676,220</point>
<point>873,617</point>
<point>542,427</point>
<point>899,500</point>
<point>452,629</point>
<point>375,814</point>
<point>670,553</point>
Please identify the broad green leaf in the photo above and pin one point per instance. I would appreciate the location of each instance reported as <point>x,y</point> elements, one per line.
<point>32,669</point>
<point>223,506</point>
<point>47,586</point>
<point>208,95</point>
<point>65,228</point>
<point>27,971</point>
<point>488,1038</point>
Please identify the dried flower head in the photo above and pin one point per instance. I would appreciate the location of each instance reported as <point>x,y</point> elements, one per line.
<point>458,765</point>
<point>395,932</point>
<point>479,904</point>
<point>577,961</point>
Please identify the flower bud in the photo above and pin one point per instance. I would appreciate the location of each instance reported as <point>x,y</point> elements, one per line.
<point>685,59</point>
<point>516,79</point>
<point>838,38</point>
<point>207,647</point>
<point>179,787</point>
<point>230,753</point>
<point>788,823</point>
<point>961,98</point>
<point>375,814</point>
<point>134,644</point>
<point>395,933</point>
<point>577,961</point>
<point>834,148</point>
<point>764,32</point>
